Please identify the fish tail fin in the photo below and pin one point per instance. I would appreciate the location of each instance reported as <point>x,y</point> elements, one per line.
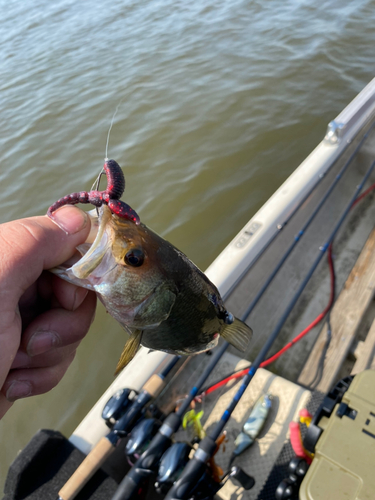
<point>129,351</point>
<point>238,334</point>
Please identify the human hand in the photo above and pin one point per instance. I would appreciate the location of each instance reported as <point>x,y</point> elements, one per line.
<point>42,318</point>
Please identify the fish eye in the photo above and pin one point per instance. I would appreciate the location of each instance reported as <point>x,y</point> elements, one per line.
<point>135,257</point>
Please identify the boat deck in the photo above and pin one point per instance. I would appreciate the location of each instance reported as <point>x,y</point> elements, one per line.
<point>351,350</point>
<point>311,368</point>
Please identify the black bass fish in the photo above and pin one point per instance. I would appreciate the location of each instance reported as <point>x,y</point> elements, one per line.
<point>153,290</point>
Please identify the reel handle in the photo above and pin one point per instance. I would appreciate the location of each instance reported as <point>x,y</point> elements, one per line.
<point>245,480</point>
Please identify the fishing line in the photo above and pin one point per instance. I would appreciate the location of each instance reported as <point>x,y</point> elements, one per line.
<point>96,184</point>
<point>110,128</point>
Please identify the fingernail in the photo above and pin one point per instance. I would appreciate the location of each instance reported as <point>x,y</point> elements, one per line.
<point>42,342</point>
<point>18,389</point>
<point>70,219</point>
<point>79,297</point>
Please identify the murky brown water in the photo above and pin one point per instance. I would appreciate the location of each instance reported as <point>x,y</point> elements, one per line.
<point>220,102</point>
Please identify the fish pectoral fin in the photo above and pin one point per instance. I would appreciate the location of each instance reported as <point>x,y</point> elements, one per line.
<point>238,334</point>
<point>130,349</point>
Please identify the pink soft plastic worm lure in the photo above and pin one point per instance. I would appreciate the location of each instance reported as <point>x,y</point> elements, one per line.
<point>111,196</point>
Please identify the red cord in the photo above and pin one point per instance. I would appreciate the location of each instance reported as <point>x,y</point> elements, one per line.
<point>365,193</point>
<point>294,341</point>
<point>225,381</point>
<point>317,320</point>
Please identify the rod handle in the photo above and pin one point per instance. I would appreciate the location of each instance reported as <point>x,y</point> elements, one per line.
<point>154,385</point>
<point>93,461</point>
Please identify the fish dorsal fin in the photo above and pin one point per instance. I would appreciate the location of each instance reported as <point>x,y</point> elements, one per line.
<point>238,334</point>
<point>130,349</point>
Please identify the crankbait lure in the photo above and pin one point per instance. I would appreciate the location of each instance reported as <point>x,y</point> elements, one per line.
<point>252,426</point>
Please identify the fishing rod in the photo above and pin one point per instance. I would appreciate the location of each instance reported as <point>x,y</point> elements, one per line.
<point>196,467</point>
<point>148,462</point>
<point>125,413</point>
<point>145,465</point>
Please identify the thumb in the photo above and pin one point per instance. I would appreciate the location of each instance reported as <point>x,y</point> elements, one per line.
<point>32,245</point>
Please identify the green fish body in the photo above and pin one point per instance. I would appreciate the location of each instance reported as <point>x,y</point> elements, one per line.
<point>153,290</point>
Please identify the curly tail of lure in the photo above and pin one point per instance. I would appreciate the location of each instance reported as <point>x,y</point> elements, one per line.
<point>110,196</point>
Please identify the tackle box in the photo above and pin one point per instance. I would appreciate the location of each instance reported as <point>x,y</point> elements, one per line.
<point>344,456</point>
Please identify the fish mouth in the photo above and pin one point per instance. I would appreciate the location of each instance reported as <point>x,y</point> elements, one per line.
<point>96,277</point>
<point>92,259</point>
<point>109,270</point>
<point>96,260</point>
